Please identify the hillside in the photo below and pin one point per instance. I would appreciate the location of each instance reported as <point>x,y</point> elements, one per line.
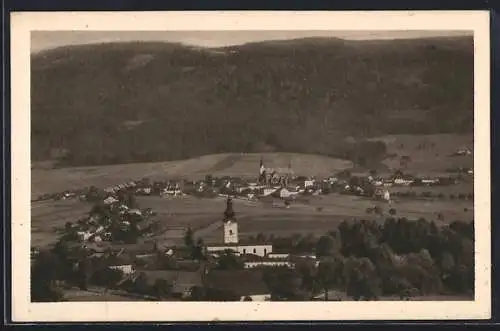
<point>147,102</point>
<point>242,165</point>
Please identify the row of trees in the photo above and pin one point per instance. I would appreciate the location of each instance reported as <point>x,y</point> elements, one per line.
<point>436,195</point>
<point>366,260</point>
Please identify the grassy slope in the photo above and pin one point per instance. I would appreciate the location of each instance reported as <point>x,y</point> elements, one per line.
<point>245,165</point>
<point>125,103</point>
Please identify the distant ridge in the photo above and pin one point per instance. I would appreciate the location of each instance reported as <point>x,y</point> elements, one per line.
<point>143,102</point>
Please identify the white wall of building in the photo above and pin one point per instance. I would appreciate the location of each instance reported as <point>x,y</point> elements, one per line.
<point>260,250</point>
<point>231,233</point>
<point>126,269</point>
<point>255,264</point>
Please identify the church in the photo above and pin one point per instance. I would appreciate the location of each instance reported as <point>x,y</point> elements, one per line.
<point>231,240</point>
<point>273,177</point>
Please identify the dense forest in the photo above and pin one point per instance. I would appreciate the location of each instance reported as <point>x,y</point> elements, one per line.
<point>139,102</point>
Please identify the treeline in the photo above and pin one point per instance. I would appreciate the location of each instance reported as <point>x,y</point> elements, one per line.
<point>303,96</point>
<point>364,152</point>
<point>366,260</point>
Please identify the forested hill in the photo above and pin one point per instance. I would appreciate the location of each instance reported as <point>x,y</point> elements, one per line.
<point>133,102</point>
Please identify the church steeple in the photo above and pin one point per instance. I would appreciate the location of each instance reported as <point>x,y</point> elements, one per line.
<point>230,224</point>
<point>262,171</point>
<point>229,212</point>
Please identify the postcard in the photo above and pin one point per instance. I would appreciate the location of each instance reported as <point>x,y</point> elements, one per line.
<point>250,166</point>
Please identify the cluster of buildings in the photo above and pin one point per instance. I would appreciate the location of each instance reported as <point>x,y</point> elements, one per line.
<point>276,182</point>
<point>140,259</point>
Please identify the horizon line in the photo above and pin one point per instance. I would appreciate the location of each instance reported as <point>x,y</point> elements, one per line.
<point>44,40</point>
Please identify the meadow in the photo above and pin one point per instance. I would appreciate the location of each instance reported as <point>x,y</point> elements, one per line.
<point>429,154</point>
<point>46,180</point>
<point>315,215</point>
<point>49,215</point>
<point>307,215</point>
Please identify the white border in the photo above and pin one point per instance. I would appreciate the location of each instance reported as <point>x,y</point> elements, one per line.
<point>23,23</point>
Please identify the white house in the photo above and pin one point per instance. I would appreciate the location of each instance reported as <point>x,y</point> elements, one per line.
<point>278,255</point>
<point>285,193</point>
<point>428,181</point>
<point>308,183</point>
<point>268,263</point>
<point>127,269</point>
<point>403,181</point>
<point>110,200</point>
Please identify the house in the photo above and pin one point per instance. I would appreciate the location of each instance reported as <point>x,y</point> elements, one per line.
<point>429,181</point>
<point>388,183</point>
<point>247,284</point>
<point>278,255</point>
<point>181,282</point>
<point>84,235</point>
<point>309,183</point>
<point>110,200</point>
<point>268,263</point>
<point>127,269</point>
<point>121,262</point>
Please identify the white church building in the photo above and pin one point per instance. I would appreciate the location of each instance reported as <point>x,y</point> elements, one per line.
<point>231,240</point>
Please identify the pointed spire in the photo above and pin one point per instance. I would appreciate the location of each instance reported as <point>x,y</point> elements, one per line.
<point>261,169</point>
<point>229,212</point>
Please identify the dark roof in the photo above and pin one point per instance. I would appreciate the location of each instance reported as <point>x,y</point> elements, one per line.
<point>244,242</point>
<point>253,242</point>
<point>241,282</point>
<point>179,279</point>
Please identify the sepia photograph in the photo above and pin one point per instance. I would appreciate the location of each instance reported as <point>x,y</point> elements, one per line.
<point>270,165</point>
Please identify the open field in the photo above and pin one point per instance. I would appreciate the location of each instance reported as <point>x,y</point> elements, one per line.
<point>433,156</point>
<point>45,216</point>
<point>303,216</point>
<point>431,160</point>
<point>45,180</point>
<point>306,215</point>
<point>205,215</point>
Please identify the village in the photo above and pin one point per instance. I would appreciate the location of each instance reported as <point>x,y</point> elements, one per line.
<point>119,248</point>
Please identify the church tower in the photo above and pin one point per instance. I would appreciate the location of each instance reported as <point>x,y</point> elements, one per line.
<point>262,171</point>
<point>230,225</point>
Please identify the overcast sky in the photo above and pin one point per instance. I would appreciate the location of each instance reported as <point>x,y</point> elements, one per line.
<point>42,40</point>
